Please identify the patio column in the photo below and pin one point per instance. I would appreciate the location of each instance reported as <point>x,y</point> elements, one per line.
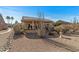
<point>32,24</point>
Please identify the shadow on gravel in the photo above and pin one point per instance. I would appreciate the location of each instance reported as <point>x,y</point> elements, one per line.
<point>36,36</point>
<point>71,49</point>
<point>66,38</point>
<point>17,36</point>
<point>32,36</point>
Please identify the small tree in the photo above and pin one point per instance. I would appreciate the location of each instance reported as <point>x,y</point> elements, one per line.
<point>8,19</point>
<point>59,30</point>
<point>12,18</point>
<point>75,20</point>
<point>59,22</point>
<point>16,22</point>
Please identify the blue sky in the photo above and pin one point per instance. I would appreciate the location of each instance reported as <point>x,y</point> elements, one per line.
<point>54,13</point>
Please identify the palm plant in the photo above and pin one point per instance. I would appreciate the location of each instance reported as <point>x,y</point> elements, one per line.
<point>8,19</point>
<point>12,19</point>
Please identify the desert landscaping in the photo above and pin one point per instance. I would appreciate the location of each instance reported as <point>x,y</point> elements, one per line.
<point>38,34</point>
<point>17,39</point>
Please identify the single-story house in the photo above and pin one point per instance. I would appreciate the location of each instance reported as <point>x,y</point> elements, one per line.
<point>34,23</point>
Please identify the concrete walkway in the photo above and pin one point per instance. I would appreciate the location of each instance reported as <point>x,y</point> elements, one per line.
<point>5,31</point>
<point>4,37</point>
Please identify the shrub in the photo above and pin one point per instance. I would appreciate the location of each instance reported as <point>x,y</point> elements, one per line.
<point>59,28</point>
<point>19,28</point>
<point>58,23</point>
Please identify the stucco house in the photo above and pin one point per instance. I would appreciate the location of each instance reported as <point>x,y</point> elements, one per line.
<point>33,23</point>
<point>36,25</point>
<point>3,25</point>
